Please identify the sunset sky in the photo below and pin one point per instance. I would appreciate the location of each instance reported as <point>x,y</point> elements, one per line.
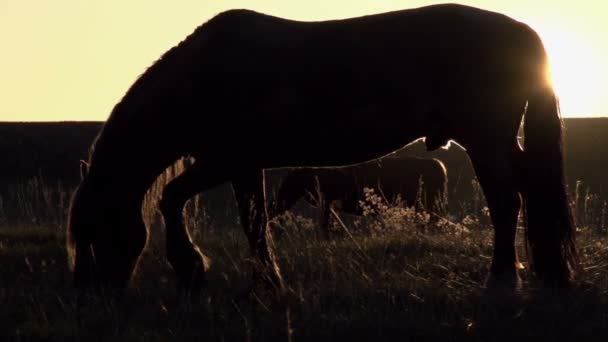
<point>74,59</point>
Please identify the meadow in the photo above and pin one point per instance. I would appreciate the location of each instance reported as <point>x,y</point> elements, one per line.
<point>394,274</point>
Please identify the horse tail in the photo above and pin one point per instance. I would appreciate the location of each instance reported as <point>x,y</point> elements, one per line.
<point>550,225</point>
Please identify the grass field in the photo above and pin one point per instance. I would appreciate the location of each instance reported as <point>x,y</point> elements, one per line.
<point>394,277</point>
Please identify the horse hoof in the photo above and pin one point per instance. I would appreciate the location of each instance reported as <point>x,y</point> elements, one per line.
<point>191,285</point>
<point>244,292</point>
<point>556,286</point>
<point>505,284</point>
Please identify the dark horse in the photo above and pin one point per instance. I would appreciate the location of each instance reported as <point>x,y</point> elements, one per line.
<point>418,181</point>
<point>247,91</point>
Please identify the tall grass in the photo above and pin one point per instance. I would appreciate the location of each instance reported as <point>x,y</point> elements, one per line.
<point>394,273</point>
<point>591,210</point>
<point>34,201</point>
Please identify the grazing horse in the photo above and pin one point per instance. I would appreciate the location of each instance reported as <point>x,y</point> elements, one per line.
<point>247,91</point>
<point>416,180</point>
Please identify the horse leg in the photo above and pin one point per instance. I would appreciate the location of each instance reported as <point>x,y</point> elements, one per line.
<point>249,192</point>
<point>499,179</point>
<point>185,257</point>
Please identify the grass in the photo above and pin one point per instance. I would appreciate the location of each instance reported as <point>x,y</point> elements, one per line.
<point>395,280</point>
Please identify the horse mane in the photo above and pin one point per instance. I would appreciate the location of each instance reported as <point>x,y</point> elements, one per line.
<point>166,62</point>
<point>162,68</point>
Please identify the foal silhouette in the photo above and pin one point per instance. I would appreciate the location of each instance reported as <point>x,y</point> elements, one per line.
<point>418,182</point>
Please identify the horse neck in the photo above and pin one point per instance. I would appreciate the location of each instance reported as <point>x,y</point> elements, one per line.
<point>126,163</point>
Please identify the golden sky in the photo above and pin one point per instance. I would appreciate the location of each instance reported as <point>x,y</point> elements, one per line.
<point>74,59</point>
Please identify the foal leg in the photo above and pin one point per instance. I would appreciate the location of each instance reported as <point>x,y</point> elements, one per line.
<point>249,192</point>
<point>325,208</point>
<point>496,170</point>
<point>185,257</point>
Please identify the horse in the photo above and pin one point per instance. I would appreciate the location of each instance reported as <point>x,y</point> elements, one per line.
<point>419,182</point>
<point>247,91</point>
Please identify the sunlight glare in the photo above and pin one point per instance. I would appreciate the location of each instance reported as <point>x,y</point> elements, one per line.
<point>575,71</point>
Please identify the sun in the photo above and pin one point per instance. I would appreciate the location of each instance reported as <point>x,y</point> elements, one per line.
<point>575,71</point>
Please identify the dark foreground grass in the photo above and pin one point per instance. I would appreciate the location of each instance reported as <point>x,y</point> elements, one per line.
<point>398,285</point>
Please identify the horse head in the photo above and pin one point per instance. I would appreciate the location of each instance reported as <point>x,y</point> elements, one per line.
<point>97,254</point>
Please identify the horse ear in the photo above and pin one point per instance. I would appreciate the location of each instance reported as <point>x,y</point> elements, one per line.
<point>84,169</point>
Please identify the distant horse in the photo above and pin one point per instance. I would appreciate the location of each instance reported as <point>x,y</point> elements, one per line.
<point>418,181</point>
<point>247,91</point>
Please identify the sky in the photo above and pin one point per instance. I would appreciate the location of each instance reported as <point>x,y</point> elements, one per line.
<point>74,59</point>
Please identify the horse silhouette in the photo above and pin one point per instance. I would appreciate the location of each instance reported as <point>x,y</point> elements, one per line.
<point>420,182</point>
<point>247,91</point>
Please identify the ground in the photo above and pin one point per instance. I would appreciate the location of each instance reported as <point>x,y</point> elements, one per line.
<point>388,277</point>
